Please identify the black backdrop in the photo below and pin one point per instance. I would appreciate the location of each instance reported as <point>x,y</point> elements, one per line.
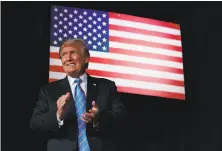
<point>154,123</point>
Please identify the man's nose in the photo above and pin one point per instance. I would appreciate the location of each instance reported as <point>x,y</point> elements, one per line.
<point>69,56</point>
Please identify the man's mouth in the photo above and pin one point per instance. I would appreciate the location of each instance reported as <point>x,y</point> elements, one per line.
<point>71,64</point>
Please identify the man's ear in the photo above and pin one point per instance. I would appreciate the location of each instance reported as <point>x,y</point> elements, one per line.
<point>87,60</point>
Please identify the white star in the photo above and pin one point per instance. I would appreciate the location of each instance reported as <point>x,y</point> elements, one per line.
<point>60,30</point>
<point>99,35</point>
<point>85,13</point>
<point>60,38</point>
<point>85,21</point>
<point>75,36</point>
<point>94,30</point>
<point>75,19</point>
<point>104,39</point>
<point>55,34</point>
<point>80,25</point>
<point>89,42</point>
<point>99,43</point>
<point>89,34</point>
<point>65,35</point>
<point>55,17</point>
<point>56,9</point>
<point>70,32</point>
<point>94,22</point>
<point>104,48</point>
<point>65,19</point>
<point>85,29</point>
<point>75,28</point>
<point>94,14</point>
<point>55,42</point>
<point>75,11</point>
<point>61,14</point>
<point>84,37</point>
<point>70,23</point>
<point>90,26</point>
<point>104,23</point>
<point>104,32</point>
<point>65,10</point>
<point>80,33</point>
<point>65,27</point>
<point>90,18</point>
<point>99,27</point>
<point>94,47</point>
<point>104,15</point>
<point>99,19</point>
<point>94,38</point>
<point>60,22</point>
<point>80,16</point>
<point>70,15</point>
<point>55,26</point>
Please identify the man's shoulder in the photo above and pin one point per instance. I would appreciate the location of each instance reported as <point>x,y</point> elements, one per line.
<point>52,84</point>
<point>100,80</point>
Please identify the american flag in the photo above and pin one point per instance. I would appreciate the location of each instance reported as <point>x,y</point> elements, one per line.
<point>143,56</point>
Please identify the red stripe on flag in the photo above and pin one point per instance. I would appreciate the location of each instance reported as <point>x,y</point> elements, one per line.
<point>124,76</point>
<point>144,32</point>
<point>134,77</point>
<point>135,65</point>
<point>52,80</point>
<point>144,43</point>
<point>54,55</point>
<point>151,92</point>
<point>143,20</point>
<point>145,54</point>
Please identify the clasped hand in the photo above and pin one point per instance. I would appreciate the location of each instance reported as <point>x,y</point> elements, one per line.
<point>91,116</point>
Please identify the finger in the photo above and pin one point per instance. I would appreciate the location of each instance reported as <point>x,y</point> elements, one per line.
<point>94,104</point>
<point>61,105</point>
<point>89,115</point>
<point>84,119</point>
<point>64,98</point>
<point>67,96</point>
<point>93,110</point>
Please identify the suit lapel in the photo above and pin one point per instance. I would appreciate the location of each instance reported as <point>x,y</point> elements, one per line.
<point>91,92</point>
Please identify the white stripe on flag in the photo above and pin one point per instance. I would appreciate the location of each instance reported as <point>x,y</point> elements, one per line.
<point>141,48</point>
<point>149,38</point>
<point>125,23</point>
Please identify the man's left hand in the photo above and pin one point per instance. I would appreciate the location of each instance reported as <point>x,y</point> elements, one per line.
<point>92,115</point>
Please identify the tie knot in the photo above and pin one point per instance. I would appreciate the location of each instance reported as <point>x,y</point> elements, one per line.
<point>78,81</point>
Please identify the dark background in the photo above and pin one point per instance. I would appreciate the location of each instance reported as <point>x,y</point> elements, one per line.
<point>154,124</point>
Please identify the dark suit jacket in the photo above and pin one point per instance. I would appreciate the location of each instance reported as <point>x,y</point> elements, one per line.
<point>111,111</point>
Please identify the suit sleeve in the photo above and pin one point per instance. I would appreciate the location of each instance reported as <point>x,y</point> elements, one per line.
<point>111,118</point>
<point>43,118</point>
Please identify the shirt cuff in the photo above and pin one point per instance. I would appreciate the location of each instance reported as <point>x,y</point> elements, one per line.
<point>60,122</point>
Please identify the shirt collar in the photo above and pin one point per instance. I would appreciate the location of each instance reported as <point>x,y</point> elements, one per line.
<point>82,77</point>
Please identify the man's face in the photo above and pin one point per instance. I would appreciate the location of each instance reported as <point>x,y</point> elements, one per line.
<point>73,59</point>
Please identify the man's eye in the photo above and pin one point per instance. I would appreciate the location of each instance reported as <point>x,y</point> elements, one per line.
<point>73,52</point>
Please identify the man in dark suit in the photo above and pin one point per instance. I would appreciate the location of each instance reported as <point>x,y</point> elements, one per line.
<point>78,116</point>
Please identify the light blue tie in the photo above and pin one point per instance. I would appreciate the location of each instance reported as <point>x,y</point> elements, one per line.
<point>80,104</point>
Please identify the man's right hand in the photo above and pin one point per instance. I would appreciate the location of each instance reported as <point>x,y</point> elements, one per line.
<point>62,105</point>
